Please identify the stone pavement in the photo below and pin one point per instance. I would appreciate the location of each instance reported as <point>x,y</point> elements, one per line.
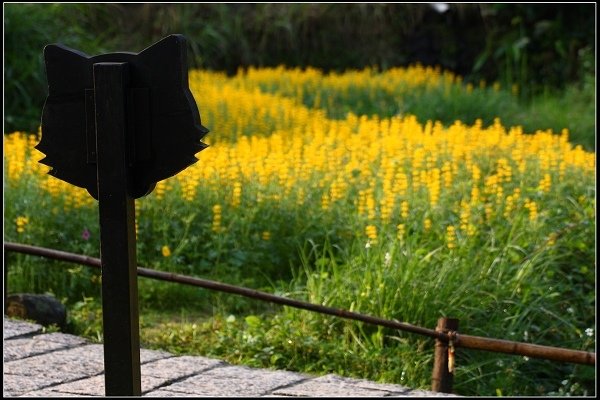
<point>40,364</point>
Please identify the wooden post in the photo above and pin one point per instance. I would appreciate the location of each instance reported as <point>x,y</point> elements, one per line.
<point>441,379</point>
<point>117,233</point>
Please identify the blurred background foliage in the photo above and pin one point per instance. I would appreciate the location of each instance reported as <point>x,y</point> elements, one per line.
<point>538,46</point>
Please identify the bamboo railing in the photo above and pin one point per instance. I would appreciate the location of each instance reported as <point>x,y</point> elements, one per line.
<point>446,336</point>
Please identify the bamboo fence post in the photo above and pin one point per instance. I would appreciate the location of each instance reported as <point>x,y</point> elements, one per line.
<point>443,370</point>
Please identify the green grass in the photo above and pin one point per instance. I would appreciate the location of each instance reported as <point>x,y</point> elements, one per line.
<point>511,284</point>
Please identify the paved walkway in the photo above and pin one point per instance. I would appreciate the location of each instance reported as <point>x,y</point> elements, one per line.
<point>40,364</point>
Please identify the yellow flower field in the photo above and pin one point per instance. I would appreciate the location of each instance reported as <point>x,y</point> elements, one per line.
<point>267,146</point>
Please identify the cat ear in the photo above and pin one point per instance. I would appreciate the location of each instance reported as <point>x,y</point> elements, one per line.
<point>168,59</point>
<point>63,139</point>
<point>59,51</point>
<point>67,69</point>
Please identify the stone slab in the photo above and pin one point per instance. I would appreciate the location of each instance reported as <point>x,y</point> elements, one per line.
<point>48,392</point>
<point>16,385</point>
<point>68,365</point>
<point>235,381</point>
<point>18,348</point>
<point>14,328</point>
<point>155,373</point>
<point>175,368</point>
<point>167,393</point>
<point>94,386</point>
<point>147,356</point>
<point>331,386</point>
<point>63,338</point>
<point>337,386</point>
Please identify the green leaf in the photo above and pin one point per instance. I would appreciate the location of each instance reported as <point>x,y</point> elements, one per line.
<point>253,321</point>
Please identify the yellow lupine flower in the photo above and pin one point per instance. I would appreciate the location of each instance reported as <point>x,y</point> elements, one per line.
<point>427,224</point>
<point>370,205</point>
<point>469,87</point>
<point>447,174</point>
<point>325,201</point>
<point>401,231</point>
<point>465,216</point>
<point>531,206</point>
<point>475,195</point>
<point>508,206</point>
<point>21,222</point>
<point>160,189</point>
<point>451,237</point>
<point>237,194</point>
<point>489,211</point>
<point>552,239</point>
<point>404,209</point>
<point>545,183</point>
<point>371,231</point>
<point>515,89</point>
<point>216,223</point>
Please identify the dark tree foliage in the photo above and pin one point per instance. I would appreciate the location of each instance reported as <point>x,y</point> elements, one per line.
<point>536,45</point>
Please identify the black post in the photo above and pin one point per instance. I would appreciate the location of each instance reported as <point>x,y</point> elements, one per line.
<point>117,233</point>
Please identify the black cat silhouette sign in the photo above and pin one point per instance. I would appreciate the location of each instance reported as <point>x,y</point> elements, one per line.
<point>162,121</point>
